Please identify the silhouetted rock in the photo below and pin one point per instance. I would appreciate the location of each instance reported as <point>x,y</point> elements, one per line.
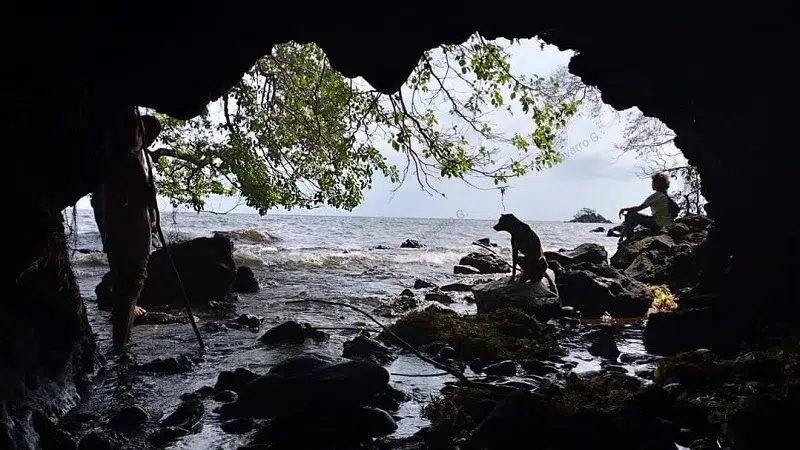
<point>673,257</point>
<point>587,215</point>
<point>304,383</point>
<point>603,343</point>
<point>465,270</point>
<point>365,348</point>
<point>594,289</point>
<point>245,280</point>
<point>128,418</point>
<point>411,243</point>
<point>291,332</point>
<point>486,263</point>
<point>422,284</point>
<point>438,296</point>
<point>189,416</point>
<point>206,268</point>
<point>249,320</point>
<point>589,253</point>
<point>533,298</point>
<point>456,287</point>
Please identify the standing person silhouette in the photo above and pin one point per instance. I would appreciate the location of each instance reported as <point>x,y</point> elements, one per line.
<point>124,215</point>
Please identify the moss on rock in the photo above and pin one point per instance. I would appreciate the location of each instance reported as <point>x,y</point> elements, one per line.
<point>747,398</point>
<point>458,410</point>
<point>501,335</point>
<point>599,391</point>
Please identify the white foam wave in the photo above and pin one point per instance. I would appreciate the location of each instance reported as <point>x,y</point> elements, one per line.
<point>360,259</point>
<point>98,259</point>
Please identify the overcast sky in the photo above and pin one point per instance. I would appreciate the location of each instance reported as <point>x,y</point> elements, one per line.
<point>593,174</point>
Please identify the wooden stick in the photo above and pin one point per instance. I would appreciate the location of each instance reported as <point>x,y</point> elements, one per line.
<point>460,376</point>
<point>371,330</point>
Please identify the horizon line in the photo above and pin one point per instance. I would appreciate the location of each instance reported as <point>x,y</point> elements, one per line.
<point>213,213</point>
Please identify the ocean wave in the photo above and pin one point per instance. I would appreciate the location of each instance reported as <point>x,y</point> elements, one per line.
<point>361,259</point>
<point>97,259</point>
<point>250,235</point>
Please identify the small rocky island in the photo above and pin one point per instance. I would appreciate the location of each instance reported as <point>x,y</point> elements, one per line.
<point>586,215</point>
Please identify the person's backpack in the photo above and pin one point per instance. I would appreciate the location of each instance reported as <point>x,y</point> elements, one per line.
<point>674,207</point>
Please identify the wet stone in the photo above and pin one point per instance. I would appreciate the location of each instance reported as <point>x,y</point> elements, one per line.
<point>422,284</point>
<point>674,389</point>
<point>456,287</point>
<point>345,427</point>
<point>50,436</point>
<point>615,368</point>
<point>128,418</point>
<point>476,365</point>
<point>440,297</point>
<point>213,327</point>
<point>603,344</point>
<point>365,348</point>
<point>249,320</point>
<point>389,399</point>
<point>188,415</point>
<point>164,436</point>
<point>503,368</point>
<point>446,352</point>
<point>238,426</point>
<point>537,367</point>
<point>189,396</point>
<point>632,358</point>
<point>465,270</point>
<point>291,332</point>
<point>226,396</point>
<point>96,441</point>
<point>170,365</point>
<point>245,281</point>
<point>235,380</point>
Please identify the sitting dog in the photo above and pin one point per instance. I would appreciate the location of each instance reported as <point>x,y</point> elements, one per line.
<point>525,241</point>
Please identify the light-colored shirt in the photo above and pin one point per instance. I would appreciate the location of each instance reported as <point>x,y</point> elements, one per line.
<point>659,208</point>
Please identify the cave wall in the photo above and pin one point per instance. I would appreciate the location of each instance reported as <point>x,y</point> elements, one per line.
<point>47,350</point>
<point>719,76</point>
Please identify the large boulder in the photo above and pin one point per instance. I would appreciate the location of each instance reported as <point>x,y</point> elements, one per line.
<point>629,250</point>
<point>589,253</point>
<point>669,333</point>
<point>309,382</point>
<point>245,280</point>
<point>346,427</point>
<point>533,298</point>
<point>673,257</point>
<point>486,263</point>
<point>678,268</point>
<point>206,268</point>
<point>595,289</point>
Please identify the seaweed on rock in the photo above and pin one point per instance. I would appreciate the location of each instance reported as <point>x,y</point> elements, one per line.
<point>501,335</point>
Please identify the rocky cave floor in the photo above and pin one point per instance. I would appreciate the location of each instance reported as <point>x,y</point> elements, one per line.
<point>531,375</point>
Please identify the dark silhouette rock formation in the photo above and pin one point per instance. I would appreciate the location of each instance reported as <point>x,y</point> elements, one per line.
<point>716,75</point>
